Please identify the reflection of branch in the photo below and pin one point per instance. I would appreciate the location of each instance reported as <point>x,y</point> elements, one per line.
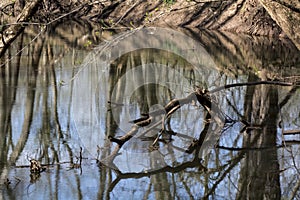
<point>234,108</point>
<point>198,143</point>
<point>191,164</point>
<point>288,96</point>
<point>232,164</point>
<point>247,148</point>
<point>294,160</point>
<point>295,190</point>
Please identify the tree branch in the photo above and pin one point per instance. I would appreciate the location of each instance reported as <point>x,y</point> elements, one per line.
<point>254,83</point>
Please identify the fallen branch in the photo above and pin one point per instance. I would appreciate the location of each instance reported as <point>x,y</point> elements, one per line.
<point>202,96</point>
<point>247,148</point>
<point>291,132</point>
<point>252,84</point>
<point>292,142</point>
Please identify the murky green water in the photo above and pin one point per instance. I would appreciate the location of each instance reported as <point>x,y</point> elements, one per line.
<point>75,85</point>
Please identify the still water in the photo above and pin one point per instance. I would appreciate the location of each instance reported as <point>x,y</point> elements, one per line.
<point>64,93</point>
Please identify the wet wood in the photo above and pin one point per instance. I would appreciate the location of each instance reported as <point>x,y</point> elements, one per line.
<point>200,95</point>
<point>253,84</point>
<point>291,132</point>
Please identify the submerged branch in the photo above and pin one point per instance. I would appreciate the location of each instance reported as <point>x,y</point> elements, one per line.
<point>291,132</point>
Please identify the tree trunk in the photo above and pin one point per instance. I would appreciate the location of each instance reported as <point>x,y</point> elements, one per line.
<point>10,34</point>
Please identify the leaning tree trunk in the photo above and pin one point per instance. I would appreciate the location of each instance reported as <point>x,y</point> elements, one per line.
<point>287,16</point>
<point>10,34</point>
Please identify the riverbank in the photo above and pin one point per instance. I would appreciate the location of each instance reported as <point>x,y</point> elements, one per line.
<point>279,18</point>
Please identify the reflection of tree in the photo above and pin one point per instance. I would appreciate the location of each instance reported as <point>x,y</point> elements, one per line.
<point>258,146</point>
<point>259,175</point>
<point>195,162</point>
<point>39,117</point>
<point>29,102</point>
<point>8,87</point>
<point>159,177</point>
<point>145,96</point>
<point>239,54</point>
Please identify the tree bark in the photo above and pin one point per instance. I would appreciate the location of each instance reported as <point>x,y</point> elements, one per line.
<point>287,17</point>
<point>10,34</point>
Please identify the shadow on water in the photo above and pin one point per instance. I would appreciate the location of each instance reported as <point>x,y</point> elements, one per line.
<point>58,95</point>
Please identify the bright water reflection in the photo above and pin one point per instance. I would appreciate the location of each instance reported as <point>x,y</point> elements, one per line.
<point>54,100</point>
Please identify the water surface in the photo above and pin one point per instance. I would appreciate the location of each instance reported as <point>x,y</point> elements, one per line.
<point>71,88</point>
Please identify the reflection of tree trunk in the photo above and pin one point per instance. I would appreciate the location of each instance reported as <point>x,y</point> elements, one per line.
<point>259,175</point>
<point>8,87</point>
<point>29,105</point>
<point>55,108</point>
<point>236,54</point>
<point>161,186</point>
<point>115,71</point>
<point>7,98</point>
<point>159,182</point>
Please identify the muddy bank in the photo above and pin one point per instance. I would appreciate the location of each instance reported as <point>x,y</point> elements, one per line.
<point>254,17</point>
